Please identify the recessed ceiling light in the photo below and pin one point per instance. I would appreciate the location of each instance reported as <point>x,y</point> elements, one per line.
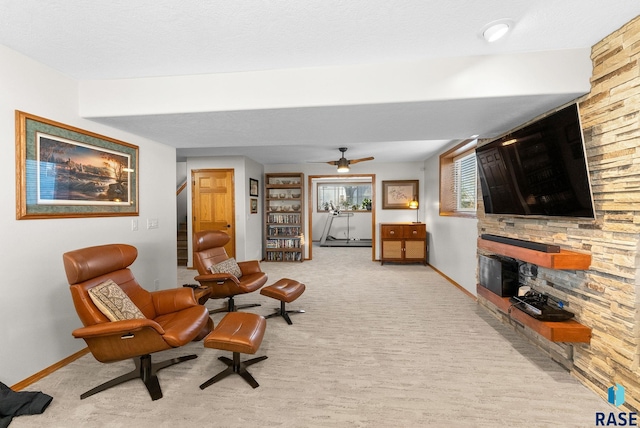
<point>496,30</point>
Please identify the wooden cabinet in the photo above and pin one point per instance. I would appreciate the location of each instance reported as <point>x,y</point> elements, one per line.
<point>284,236</point>
<point>403,243</point>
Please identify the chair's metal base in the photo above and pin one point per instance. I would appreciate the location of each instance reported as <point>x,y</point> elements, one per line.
<point>146,371</point>
<point>235,366</point>
<point>284,313</point>
<point>232,307</point>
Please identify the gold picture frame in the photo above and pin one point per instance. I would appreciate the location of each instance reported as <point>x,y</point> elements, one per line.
<point>397,194</point>
<point>65,172</point>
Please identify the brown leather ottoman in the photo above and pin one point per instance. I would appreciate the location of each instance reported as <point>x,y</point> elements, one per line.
<point>286,290</point>
<point>238,332</point>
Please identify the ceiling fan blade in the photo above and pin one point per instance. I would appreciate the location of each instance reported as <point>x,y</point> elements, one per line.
<point>361,159</point>
<point>333,162</point>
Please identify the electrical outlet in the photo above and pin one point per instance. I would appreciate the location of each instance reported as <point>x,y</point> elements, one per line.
<point>152,223</point>
<point>134,224</point>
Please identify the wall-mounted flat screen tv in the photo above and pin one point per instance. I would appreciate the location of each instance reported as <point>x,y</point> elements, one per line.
<point>538,170</point>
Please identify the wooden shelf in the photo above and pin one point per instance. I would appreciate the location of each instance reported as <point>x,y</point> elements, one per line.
<point>565,259</point>
<point>562,331</point>
<point>284,218</point>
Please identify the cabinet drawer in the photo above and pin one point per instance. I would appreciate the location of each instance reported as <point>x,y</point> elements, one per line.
<point>419,231</point>
<point>392,231</point>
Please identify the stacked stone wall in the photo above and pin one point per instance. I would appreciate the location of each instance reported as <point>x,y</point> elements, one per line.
<point>605,297</point>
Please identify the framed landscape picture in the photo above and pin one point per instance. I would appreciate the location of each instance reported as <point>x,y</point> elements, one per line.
<point>397,194</point>
<point>64,171</point>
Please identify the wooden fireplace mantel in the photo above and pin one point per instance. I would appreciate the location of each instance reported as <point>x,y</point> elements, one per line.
<point>565,259</point>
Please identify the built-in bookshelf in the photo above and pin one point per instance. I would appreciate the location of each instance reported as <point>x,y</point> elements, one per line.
<point>284,236</point>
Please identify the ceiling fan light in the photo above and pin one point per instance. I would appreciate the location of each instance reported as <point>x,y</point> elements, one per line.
<point>343,165</point>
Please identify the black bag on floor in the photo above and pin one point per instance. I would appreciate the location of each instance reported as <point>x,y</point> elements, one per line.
<point>20,403</point>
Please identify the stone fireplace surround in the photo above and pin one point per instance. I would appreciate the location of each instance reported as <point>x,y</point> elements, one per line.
<point>605,297</point>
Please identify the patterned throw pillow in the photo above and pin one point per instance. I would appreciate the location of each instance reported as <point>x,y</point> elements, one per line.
<point>113,302</point>
<point>228,266</point>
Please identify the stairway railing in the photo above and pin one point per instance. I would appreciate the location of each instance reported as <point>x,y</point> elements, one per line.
<point>181,187</point>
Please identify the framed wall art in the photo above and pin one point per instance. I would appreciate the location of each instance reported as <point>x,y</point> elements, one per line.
<point>253,187</point>
<point>63,171</point>
<point>254,206</point>
<point>397,194</point>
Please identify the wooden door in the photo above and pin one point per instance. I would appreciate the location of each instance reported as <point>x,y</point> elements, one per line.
<point>213,205</point>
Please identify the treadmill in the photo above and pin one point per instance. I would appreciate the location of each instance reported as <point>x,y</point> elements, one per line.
<point>328,240</point>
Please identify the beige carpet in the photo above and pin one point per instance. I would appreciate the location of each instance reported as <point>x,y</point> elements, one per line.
<point>379,346</point>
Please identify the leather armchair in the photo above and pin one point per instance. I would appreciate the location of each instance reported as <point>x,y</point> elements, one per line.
<point>173,318</point>
<point>208,250</point>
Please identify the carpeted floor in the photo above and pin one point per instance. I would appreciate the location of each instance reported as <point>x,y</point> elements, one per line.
<point>379,346</point>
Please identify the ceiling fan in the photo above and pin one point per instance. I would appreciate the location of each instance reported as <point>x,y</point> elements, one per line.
<point>343,163</point>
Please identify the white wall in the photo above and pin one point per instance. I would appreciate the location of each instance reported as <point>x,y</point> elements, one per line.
<point>452,240</point>
<point>181,200</point>
<point>36,311</point>
<point>254,222</point>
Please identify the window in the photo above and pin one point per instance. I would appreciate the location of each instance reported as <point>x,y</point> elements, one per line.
<point>465,182</point>
<point>343,196</point>
<point>458,180</point>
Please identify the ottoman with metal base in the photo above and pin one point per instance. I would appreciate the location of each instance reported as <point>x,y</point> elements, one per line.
<point>286,290</point>
<point>238,332</point>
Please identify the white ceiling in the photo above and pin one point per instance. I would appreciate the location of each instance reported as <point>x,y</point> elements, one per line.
<point>125,39</point>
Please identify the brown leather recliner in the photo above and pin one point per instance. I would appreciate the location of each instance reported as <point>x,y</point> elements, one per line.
<point>208,250</point>
<point>173,317</point>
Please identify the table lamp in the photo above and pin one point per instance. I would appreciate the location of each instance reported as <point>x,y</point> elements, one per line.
<point>414,206</point>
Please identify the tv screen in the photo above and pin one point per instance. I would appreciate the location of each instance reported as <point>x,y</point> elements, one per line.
<point>539,170</point>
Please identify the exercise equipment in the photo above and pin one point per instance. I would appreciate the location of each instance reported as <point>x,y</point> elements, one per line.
<point>328,240</point>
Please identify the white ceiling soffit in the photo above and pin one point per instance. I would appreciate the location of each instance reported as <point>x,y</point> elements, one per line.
<point>255,114</point>
<point>121,39</point>
<point>390,133</point>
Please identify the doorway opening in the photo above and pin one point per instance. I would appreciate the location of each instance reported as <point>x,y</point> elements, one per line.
<point>341,211</point>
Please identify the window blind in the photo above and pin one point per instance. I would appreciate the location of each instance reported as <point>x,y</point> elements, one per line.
<point>465,182</point>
